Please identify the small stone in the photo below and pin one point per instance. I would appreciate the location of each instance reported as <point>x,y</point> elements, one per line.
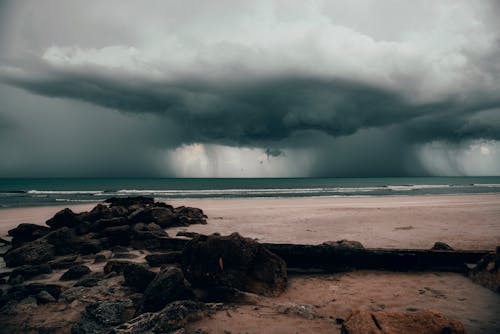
<point>43,297</point>
<point>75,272</point>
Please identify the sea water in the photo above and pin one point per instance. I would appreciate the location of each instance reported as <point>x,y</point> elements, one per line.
<point>52,191</point>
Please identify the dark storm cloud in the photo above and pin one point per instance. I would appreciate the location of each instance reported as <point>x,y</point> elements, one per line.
<point>362,93</point>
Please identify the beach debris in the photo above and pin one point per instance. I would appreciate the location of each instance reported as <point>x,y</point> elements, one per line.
<point>247,265</point>
<point>441,246</point>
<point>420,322</point>
<point>75,273</point>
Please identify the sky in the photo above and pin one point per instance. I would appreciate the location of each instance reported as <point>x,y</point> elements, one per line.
<point>249,88</point>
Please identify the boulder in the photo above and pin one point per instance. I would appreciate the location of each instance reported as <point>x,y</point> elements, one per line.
<point>344,244</point>
<point>104,223</point>
<point>65,262</point>
<point>233,262</point>
<point>29,271</point>
<point>22,291</point>
<point>168,285</point>
<point>441,246</point>
<point>116,266</point>
<point>171,319</point>
<point>137,276</point>
<point>43,297</point>
<point>27,232</point>
<point>101,315</point>
<point>421,322</point>
<point>91,246</point>
<point>75,273</point>
<point>188,215</point>
<point>64,218</point>
<point>159,259</point>
<point>33,252</point>
<point>64,240</point>
<point>118,235</point>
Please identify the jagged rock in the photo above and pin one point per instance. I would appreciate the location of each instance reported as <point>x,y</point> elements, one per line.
<point>173,317</point>
<point>64,240</point>
<point>64,218</point>
<point>137,276</point>
<point>75,272</point>
<point>43,297</point>
<point>130,201</point>
<point>29,271</point>
<point>99,316</point>
<point>27,232</point>
<point>168,285</point>
<point>441,246</point>
<point>421,322</point>
<point>345,244</point>
<point>118,235</point>
<point>188,215</point>
<point>116,266</point>
<point>233,262</point>
<point>159,259</point>
<point>33,252</point>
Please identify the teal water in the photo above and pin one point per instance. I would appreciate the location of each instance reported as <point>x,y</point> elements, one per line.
<point>34,192</point>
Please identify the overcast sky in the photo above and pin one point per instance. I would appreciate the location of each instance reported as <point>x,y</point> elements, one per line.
<point>249,88</point>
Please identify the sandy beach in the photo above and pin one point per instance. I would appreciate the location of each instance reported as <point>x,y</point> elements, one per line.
<point>463,221</point>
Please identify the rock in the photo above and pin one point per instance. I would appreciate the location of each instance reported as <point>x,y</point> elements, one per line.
<point>137,276</point>
<point>99,316</point>
<point>233,262</point>
<point>118,235</point>
<point>73,293</point>
<point>65,262</point>
<point>302,310</point>
<point>27,232</point>
<point>487,271</point>
<point>441,246</point>
<point>104,223</point>
<point>153,227</point>
<point>125,256</point>
<point>22,291</point>
<point>4,242</point>
<point>99,258</point>
<point>345,244</point>
<point>163,217</point>
<point>29,271</point>
<point>187,234</point>
<point>33,252</point>
<point>168,285</point>
<point>75,272</point>
<point>87,282</point>
<point>15,280</point>
<point>116,266</point>
<point>130,201</point>
<point>91,246</point>
<point>64,218</point>
<point>158,259</point>
<point>43,297</point>
<point>170,319</point>
<point>64,240</point>
<point>188,216</point>
<point>421,322</point>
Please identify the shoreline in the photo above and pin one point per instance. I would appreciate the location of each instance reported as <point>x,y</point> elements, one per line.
<point>399,221</point>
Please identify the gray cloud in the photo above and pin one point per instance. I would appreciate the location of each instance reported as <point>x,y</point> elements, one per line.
<point>278,78</point>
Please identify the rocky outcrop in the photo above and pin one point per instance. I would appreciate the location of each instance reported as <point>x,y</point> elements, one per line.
<point>441,246</point>
<point>137,276</point>
<point>27,232</point>
<point>421,322</point>
<point>169,285</point>
<point>233,262</point>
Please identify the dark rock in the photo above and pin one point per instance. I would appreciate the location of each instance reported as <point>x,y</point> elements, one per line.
<point>22,291</point>
<point>138,276</point>
<point>487,271</point>
<point>82,228</point>
<point>441,246</point>
<point>125,256</point>
<point>91,246</point>
<point>99,316</point>
<point>87,282</point>
<point>4,242</point>
<point>174,317</point>
<point>27,232</point>
<point>158,259</point>
<point>119,249</point>
<point>64,218</point>
<point>163,217</point>
<point>233,262</point>
<point>105,223</point>
<point>16,279</point>
<point>43,297</point>
<point>421,322</point>
<point>168,285</point>
<point>2,281</point>
<point>99,258</point>
<point>153,227</point>
<point>188,215</point>
<point>129,201</point>
<point>100,211</point>
<point>29,271</point>
<point>34,252</point>
<point>118,235</point>
<point>65,262</point>
<point>64,240</point>
<point>344,244</point>
<point>75,272</point>
<point>190,235</point>
<point>116,266</point>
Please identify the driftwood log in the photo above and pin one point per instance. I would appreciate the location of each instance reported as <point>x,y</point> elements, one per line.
<point>332,259</point>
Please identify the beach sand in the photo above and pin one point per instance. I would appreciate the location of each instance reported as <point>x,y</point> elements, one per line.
<point>463,221</point>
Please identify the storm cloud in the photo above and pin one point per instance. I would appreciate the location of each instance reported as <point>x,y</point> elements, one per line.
<point>354,94</point>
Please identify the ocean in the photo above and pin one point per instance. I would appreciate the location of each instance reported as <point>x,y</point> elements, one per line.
<point>53,191</point>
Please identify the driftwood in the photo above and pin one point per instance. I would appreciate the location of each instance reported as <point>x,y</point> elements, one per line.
<point>331,258</point>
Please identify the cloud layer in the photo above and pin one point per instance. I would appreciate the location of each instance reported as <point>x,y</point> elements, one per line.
<point>364,88</point>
